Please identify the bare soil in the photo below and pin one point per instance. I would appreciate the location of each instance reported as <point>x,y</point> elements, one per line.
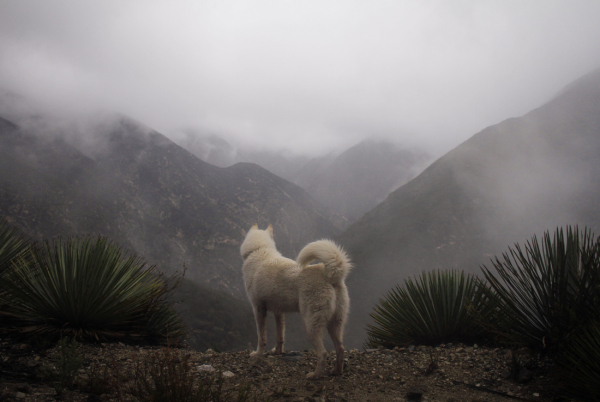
<point>446,373</point>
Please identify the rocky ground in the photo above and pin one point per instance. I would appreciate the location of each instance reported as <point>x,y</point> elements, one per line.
<point>446,373</point>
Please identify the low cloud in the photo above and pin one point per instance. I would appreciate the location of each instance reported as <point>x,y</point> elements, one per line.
<point>309,76</point>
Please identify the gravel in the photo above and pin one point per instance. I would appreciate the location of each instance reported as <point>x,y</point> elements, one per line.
<point>445,373</point>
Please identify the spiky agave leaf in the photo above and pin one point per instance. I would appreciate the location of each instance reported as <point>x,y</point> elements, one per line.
<point>85,286</point>
<point>547,292</point>
<point>581,361</point>
<point>12,245</point>
<point>433,308</point>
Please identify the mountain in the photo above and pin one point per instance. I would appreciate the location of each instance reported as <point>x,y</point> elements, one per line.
<point>135,186</point>
<point>361,177</point>
<point>506,183</point>
<point>217,151</point>
<point>350,183</point>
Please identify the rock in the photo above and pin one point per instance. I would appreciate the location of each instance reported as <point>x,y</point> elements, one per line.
<point>414,395</point>
<point>228,374</point>
<point>25,388</point>
<point>292,356</point>
<point>259,361</point>
<point>524,376</point>
<point>20,395</point>
<point>206,367</point>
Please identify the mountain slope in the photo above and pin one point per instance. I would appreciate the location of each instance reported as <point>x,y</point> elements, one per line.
<point>511,180</point>
<point>217,151</point>
<point>361,177</point>
<point>140,189</point>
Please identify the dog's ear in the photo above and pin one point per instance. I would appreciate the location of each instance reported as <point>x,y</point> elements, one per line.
<point>255,226</point>
<point>270,230</point>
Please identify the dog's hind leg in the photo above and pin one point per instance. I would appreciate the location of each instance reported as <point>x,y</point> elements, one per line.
<point>315,335</point>
<point>280,332</point>
<point>335,328</point>
<point>260,314</point>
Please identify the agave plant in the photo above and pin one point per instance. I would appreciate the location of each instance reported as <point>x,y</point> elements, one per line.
<point>436,307</point>
<point>88,287</point>
<point>12,245</point>
<point>581,361</point>
<point>548,291</point>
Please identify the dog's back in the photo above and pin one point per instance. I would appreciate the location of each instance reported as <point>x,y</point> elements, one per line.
<point>270,280</point>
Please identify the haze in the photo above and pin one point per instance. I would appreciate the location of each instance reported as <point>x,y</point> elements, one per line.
<point>308,76</point>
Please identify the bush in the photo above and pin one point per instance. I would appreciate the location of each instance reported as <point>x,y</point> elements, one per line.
<point>88,288</point>
<point>432,309</point>
<point>62,373</point>
<point>548,292</point>
<point>167,376</point>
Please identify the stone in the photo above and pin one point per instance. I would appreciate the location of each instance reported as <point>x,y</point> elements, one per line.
<point>292,356</point>
<point>25,388</point>
<point>206,367</point>
<point>414,395</point>
<point>524,376</point>
<point>259,361</point>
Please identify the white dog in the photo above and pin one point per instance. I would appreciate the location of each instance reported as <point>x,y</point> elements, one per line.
<point>278,284</point>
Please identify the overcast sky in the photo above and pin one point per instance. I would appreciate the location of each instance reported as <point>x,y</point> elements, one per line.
<point>306,75</point>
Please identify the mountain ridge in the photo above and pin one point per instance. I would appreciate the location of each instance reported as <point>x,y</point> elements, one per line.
<point>506,183</point>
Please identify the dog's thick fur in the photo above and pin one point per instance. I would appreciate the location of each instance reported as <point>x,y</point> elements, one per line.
<point>318,292</point>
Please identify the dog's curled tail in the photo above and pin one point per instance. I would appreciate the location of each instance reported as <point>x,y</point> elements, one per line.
<point>336,261</point>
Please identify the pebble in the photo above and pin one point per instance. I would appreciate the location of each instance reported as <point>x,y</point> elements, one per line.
<point>206,367</point>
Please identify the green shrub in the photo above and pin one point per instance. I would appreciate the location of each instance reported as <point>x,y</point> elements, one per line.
<point>549,291</point>
<point>62,373</point>
<point>432,309</point>
<point>168,376</point>
<point>581,362</point>
<point>89,288</point>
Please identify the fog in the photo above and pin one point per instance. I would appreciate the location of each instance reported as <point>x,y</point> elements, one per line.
<point>310,76</point>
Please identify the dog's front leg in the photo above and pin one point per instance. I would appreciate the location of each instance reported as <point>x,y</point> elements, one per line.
<point>280,328</point>
<point>260,314</point>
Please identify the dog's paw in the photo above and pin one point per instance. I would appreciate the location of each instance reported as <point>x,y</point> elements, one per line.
<point>256,353</point>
